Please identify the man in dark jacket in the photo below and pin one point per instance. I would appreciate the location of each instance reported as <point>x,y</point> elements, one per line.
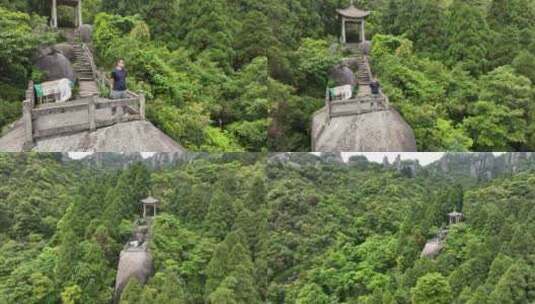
<point>118,76</point>
<point>374,86</point>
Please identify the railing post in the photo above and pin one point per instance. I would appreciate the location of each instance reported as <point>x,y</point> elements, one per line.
<point>119,112</point>
<point>27,107</point>
<point>328,104</point>
<point>30,93</point>
<point>142,106</point>
<point>91,112</point>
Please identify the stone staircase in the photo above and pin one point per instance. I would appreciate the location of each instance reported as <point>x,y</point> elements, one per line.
<point>364,102</point>
<point>82,65</point>
<point>363,77</point>
<point>84,72</point>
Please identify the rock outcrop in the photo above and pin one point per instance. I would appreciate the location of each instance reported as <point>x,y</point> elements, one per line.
<point>135,261</point>
<point>382,131</point>
<point>132,136</point>
<point>55,65</point>
<point>332,157</point>
<point>66,49</point>
<point>124,160</point>
<point>86,31</point>
<point>483,166</point>
<point>407,167</point>
<point>342,75</point>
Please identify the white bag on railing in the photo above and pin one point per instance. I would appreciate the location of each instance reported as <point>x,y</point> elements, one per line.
<point>61,89</point>
<point>342,93</point>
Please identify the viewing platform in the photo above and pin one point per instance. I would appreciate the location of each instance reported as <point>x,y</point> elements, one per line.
<point>89,121</point>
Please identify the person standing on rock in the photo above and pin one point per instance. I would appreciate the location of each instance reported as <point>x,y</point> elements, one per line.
<point>374,86</point>
<point>118,76</point>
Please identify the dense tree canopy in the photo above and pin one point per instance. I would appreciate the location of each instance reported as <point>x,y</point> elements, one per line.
<point>246,229</point>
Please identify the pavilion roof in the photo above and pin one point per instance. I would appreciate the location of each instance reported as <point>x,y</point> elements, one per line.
<point>455,213</point>
<point>149,200</point>
<point>353,12</point>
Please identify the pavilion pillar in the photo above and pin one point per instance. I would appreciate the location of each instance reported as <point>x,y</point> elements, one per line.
<point>79,12</point>
<point>343,38</point>
<point>76,16</point>
<point>154,210</point>
<point>144,211</point>
<point>362,31</point>
<point>54,14</point>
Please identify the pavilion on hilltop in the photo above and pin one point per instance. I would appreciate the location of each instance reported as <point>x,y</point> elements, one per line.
<point>76,4</point>
<point>353,15</point>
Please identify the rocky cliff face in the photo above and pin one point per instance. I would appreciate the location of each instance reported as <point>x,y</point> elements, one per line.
<point>123,160</point>
<point>484,166</point>
<point>382,131</point>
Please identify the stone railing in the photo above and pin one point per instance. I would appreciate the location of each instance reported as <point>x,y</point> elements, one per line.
<point>358,106</point>
<point>27,105</point>
<point>99,76</point>
<point>87,114</point>
<point>89,54</point>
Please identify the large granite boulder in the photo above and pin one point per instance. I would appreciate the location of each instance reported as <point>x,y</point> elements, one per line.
<point>134,264</point>
<point>54,64</point>
<point>351,62</point>
<point>381,131</point>
<point>66,49</point>
<point>86,31</point>
<point>342,75</point>
<point>366,47</point>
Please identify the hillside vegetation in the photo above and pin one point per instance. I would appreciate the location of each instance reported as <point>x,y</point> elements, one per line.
<point>245,229</point>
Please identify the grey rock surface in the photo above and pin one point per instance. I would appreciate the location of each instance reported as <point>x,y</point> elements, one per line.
<point>350,62</point>
<point>484,166</point>
<point>135,136</point>
<point>382,131</point>
<point>86,31</point>
<point>366,47</point>
<point>56,66</point>
<point>66,49</point>
<point>342,75</point>
<point>133,264</point>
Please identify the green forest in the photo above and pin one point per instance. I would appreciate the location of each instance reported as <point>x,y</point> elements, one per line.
<point>247,75</point>
<point>256,228</point>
